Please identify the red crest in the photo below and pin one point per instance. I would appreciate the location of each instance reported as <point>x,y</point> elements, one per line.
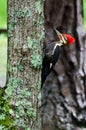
<point>70,39</point>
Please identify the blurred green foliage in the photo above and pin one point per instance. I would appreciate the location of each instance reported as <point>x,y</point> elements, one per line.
<point>84,12</point>
<point>3,42</point>
<point>3,13</point>
<point>3,53</point>
<point>6,122</point>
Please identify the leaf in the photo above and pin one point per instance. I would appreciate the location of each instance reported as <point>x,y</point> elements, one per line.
<point>1,127</point>
<point>2,116</point>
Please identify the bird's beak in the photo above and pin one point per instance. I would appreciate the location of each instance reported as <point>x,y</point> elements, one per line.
<point>61,37</point>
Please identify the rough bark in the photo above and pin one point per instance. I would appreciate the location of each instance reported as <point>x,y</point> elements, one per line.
<point>64,91</point>
<point>25,27</point>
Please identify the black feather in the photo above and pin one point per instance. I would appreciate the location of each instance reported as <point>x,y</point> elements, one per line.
<point>46,68</point>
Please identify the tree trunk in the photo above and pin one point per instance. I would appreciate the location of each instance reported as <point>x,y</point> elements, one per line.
<point>64,91</point>
<point>25,37</point>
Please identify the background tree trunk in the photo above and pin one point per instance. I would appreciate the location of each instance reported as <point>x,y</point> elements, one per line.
<point>64,91</point>
<point>25,37</point>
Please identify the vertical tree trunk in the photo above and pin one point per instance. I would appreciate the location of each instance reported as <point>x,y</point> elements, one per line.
<point>64,91</point>
<point>25,37</point>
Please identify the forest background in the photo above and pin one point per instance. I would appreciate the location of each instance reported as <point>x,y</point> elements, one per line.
<point>3,39</point>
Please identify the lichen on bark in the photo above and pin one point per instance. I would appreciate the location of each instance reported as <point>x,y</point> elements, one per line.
<point>25,37</point>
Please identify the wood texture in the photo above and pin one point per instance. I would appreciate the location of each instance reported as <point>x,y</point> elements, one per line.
<point>64,91</point>
<point>23,19</point>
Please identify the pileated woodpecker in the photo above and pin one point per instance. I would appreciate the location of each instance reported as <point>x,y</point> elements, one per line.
<point>52,51</point>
